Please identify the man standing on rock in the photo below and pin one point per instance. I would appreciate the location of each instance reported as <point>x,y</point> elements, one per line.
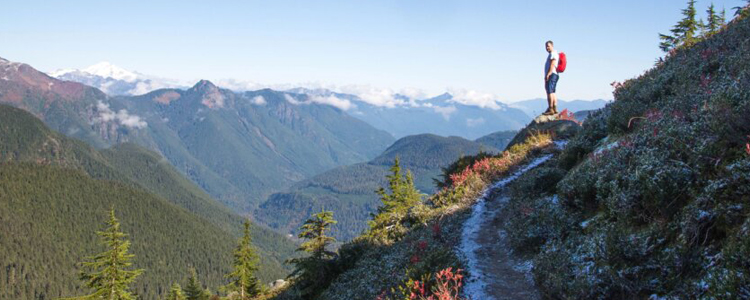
<point>550,78</point>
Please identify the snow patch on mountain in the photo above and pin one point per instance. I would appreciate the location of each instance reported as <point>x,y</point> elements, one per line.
<point>115,80</point>
<point>108,70</point>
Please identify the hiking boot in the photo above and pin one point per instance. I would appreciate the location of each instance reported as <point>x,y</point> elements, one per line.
<point>548,112</point>
<point>554,110</point>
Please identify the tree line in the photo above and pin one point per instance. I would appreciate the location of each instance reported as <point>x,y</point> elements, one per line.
<point>690,30</point>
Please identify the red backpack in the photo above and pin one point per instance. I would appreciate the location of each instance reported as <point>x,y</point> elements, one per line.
<point>562,63</point>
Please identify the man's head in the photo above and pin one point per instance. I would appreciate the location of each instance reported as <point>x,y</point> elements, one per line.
<point>550,46</point>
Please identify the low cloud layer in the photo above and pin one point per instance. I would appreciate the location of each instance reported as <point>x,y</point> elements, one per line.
<point>372,95</point>
<point>334,101</point>
<point>291,99</point>
<point>475,98</point>
<point>122,117</point>
<point>445,111</point>
<point>258,100</point>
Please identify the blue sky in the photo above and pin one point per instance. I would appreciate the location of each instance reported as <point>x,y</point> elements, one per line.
<point>491,47</point>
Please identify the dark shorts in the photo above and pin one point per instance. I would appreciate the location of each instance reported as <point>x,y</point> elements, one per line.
<point>551,84</point>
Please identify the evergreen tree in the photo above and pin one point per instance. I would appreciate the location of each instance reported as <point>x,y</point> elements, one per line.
<point>311,272</point>
<point>715,20</point>
<point>108,273</point>
<point>194,289</point>
<point>684,33</point>
<point>243,277</point>
<point>387,225</point>
<point>175,293</point>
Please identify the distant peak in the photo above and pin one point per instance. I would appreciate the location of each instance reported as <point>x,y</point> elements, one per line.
<point>107,69</point>
<point>204,85</point>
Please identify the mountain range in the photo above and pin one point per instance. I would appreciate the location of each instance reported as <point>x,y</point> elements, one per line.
<point>398,114</point>
<point>239,147</point>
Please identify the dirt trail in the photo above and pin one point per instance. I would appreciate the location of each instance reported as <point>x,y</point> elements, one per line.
<point>496,273</point>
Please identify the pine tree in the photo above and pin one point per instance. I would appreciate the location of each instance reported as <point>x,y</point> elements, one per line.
<point>175,293</point>
<point>715,20</point>
<point>684,33</point>
<point>107,273</point>
<point>194,289</point>
<point>387,225</point>
<point>310,272</point>
<point>243,277</point>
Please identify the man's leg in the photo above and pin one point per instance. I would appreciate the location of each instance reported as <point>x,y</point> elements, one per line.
<point>549,101</point>
<point>553,102</point>
<point>549,98</point>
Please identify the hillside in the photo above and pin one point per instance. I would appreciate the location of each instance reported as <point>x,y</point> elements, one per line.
<point>62,105</point>
<point>349,191</point>
<point>647,200</point>
<point>654,198</point>
<point>497,140</point>
<point>58,190</point>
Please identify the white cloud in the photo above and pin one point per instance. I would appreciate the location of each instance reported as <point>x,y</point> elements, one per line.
<point>446,111</point>
<point>475,98</point>
<point>143,87</point>
<point>474,122</point>
<point>373,95</point>
<point>122,117</point>
<point>414,93</point>
<point>258,100</point>
<point>334,101</point>
<point>240,85</point>
<point>291,99</point>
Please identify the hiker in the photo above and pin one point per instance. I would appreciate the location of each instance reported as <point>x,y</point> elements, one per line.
<point>550,78</point>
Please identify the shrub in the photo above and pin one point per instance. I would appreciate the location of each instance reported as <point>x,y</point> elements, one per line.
<point>593,131</point>
<point>533,222</point>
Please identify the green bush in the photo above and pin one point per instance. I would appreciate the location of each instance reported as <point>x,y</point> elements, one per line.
<point>593,131</point>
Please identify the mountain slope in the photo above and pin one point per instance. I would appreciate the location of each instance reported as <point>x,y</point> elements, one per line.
<point>653,201</point>
<point>349,191</point>
<point>68,107</point>
<point>242,147</point>
<point>57,190</point>
<point>498,140</point>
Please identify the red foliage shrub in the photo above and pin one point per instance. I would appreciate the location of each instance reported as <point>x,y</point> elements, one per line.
<point>567,115</point>
<point>447,286</point>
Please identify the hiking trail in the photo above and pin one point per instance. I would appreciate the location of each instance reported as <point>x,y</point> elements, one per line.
<point>495,272</point>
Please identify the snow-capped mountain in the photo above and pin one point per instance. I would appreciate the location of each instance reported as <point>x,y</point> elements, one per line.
<point>114,80</point>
